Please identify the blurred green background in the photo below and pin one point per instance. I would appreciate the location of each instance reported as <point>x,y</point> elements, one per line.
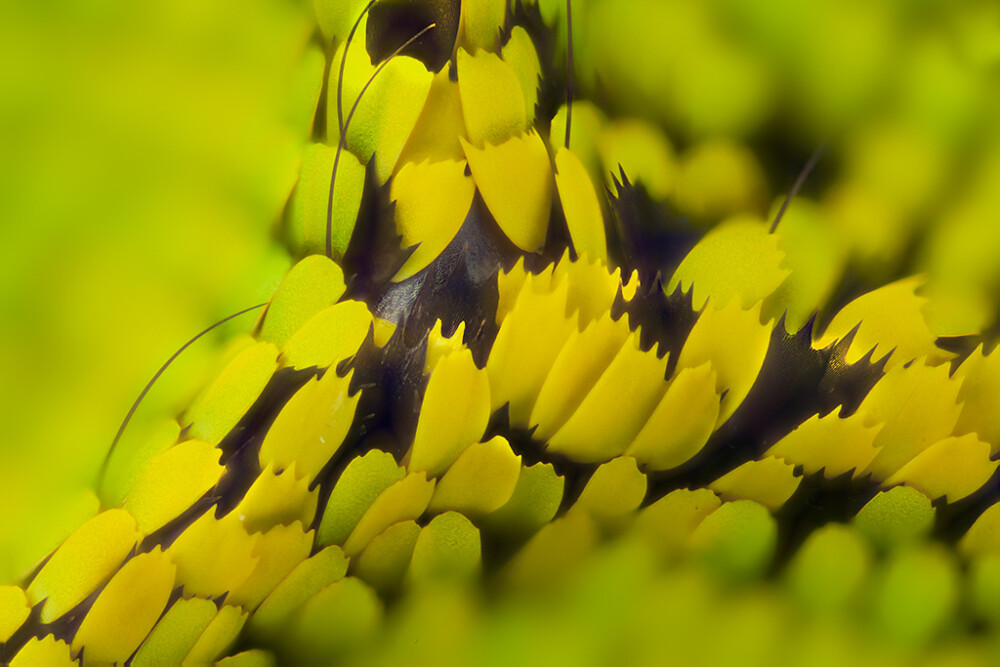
<point>147,151</point>
<point>905,94</point>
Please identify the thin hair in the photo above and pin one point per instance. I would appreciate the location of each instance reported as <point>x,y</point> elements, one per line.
<point>354,107</point>
<point>149,385</point>
<point>803,175</point>
<point>343,65</point>
<point>569,70</point>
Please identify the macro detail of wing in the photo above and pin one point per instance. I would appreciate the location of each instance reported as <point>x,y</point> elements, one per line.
<point>490,385</point>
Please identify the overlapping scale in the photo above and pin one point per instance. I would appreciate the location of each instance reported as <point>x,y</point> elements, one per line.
<point>86,560</point>
<point>176,632</point>
<point>297,437</point>
<point>221,404</point>
<point>127,609</point>
<point>480,481</point>
<point>387,113</point>
<point>172,482</point>
<point>455,385</point>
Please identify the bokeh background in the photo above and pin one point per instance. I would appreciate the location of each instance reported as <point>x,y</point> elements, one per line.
<point>148,149</point>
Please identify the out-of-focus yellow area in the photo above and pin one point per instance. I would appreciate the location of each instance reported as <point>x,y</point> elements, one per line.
<point>147,149</point>
<point>905,95</point>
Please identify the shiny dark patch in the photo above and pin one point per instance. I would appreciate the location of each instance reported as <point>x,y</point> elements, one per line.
<point>644,235</point>
<point>392,22</point>
<point>663,320</point>
<point>375,253</point>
